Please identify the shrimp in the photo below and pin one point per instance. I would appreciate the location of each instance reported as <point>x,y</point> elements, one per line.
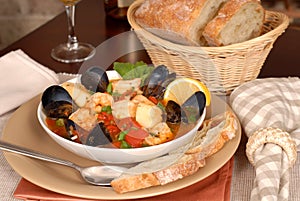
<point>159,134</point>
<point>98,100</point>
<point>86,116</point>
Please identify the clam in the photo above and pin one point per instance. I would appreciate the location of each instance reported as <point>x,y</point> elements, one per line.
<point>95,79</point>
<point>57,102</point>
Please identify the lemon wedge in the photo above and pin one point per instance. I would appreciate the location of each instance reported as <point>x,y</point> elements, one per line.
<point>181,89</point>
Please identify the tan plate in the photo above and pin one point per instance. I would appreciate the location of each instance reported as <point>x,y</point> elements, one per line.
<point>23,129</point>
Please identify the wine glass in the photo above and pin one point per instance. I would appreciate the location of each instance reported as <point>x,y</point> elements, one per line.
<point>72,51</point>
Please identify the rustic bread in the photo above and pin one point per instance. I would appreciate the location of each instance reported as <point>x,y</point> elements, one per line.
<point>178,21</point>
<point>214,134</point>
<point>177,165</point>
<point>132,181</point>
<point>236,21</point>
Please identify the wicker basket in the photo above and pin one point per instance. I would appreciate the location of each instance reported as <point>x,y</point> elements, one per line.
<point>221,68</point>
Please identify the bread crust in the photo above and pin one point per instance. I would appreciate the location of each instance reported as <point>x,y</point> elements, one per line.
<point>127,183</point>
<point>213,30</point>
<point>178,21</point>
<point>225,127</point>
<point>187,165</point>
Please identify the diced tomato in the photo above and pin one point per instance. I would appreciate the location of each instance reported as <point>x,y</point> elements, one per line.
<point>106,118</point>
<point>117,144</point>
<point>135,137</point>
<point>102,116</point>
<point>113,131</point>
<point>153,99</point>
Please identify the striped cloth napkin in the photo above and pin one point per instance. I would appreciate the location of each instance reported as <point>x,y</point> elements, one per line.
<point>269,111</point>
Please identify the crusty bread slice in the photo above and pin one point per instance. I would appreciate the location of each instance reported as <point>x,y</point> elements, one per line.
<point>133,182</point>
<point>177,165</point>
<point>185,166</point>
<point>237,21</point>
<point>214,134</point>
<point>178,21</point>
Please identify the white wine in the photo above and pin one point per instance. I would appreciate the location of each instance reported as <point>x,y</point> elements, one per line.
<point>69,2</point>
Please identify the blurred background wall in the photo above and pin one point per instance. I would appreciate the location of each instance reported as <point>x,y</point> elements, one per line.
<point>20,17</point>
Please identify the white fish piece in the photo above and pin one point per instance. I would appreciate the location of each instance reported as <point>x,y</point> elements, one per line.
<point>85,118</point>
<point>78,92</point>
<point>148,115</point>
<point>123,109</point>
<point>123,86</point>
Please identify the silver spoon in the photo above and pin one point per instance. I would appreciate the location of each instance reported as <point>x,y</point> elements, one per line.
<point>96,175</point>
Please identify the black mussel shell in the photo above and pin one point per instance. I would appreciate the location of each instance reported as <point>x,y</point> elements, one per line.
<point>157,76</point>
<point>57,102</point>
<point>98,136</point>
<point>95,79</point>
<point>159,92</point>
<point>173,111</point>
<point>75,132</point>
<point>194,106</point>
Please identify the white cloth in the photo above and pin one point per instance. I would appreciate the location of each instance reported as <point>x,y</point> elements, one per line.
<point>22,78</point>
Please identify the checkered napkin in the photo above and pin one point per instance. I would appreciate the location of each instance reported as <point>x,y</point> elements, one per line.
<point>269,111</point>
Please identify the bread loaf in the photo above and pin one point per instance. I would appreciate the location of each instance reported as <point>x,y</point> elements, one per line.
<point>178,21</point>
<point>202,22</point>
<point>236,21</point>
<point>177,165</point>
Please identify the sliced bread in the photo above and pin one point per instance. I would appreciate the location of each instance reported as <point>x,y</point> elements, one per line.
<point>236,21</point>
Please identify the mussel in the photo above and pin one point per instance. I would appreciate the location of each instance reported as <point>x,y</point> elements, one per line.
<point>95,79</point>
<point>159,92</point>
<point>74,131</point>
<point>57,102</point>
<point>98,136</point>
<point>173,112</point>
<point>194,106</point>
<point>190,111</point>
<point>157,81</point>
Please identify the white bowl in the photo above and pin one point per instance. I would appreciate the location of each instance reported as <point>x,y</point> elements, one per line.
<point>120,156</point>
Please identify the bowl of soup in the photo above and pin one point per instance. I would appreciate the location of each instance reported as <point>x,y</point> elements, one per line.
<point>121,119</point>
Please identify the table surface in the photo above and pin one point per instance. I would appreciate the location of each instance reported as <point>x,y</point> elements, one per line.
<point>93,27</point>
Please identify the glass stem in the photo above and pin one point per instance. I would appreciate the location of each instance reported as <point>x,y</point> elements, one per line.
<point>72,39</point>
